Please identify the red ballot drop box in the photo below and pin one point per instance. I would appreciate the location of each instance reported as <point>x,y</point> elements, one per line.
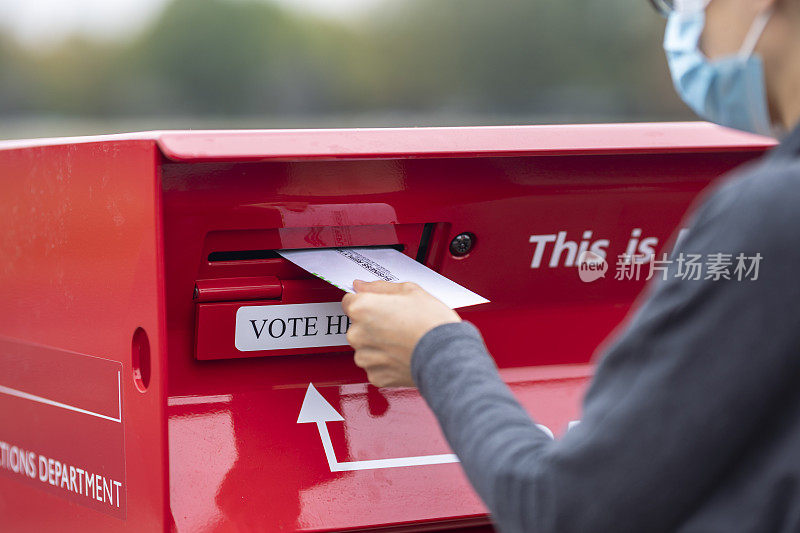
<point>130,264</point>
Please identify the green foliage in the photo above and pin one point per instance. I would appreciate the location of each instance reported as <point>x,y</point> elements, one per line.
<point>527,55</point>
<point>245,57</point>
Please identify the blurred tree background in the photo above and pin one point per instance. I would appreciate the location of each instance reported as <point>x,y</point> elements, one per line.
<point>253,63</point>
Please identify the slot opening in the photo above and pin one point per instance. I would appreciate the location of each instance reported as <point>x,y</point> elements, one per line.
<point>257,255</point>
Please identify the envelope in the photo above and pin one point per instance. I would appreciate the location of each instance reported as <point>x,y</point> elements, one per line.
<point>341,266</point>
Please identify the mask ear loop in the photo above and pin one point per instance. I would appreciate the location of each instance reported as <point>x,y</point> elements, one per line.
<point>755,32</point>
<point>748,47</point>
<point>690,6</point>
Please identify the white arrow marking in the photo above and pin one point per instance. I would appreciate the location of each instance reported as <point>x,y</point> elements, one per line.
<point>317,409</point>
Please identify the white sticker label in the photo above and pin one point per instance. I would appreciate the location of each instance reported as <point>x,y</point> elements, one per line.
<point>280,327</point>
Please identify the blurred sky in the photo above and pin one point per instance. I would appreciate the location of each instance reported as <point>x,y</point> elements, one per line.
<point>44,22</point>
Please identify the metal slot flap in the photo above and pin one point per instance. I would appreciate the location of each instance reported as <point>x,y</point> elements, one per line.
<point>228,289</point>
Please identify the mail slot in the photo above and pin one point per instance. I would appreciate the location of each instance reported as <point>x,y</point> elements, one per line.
<point>289,313</point>
<point>164,367</point>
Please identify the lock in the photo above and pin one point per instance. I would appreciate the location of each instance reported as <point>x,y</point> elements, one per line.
<point>462,244</point>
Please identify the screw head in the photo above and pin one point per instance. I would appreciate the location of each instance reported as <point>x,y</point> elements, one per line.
<point>462,244</point>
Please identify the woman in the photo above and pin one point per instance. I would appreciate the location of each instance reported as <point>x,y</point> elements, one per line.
<point>692,421</point>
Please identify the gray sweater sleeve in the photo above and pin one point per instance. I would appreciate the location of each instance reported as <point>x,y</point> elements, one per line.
<point>675,399</point>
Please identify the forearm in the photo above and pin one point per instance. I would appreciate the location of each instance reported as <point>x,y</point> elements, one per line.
<point>485,425</point>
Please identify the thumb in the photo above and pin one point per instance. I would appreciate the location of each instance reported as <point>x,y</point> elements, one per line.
<point>379,286</point>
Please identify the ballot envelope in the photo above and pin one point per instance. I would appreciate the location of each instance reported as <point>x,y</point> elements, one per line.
<point>173,351</point>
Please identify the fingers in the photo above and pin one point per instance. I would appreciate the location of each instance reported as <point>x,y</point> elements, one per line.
<point>355,337</point>
<point>380,370</point>
<point>347,302</point>
<point>369,358</point>
<point>385,287</point>
<point>356,306</point>
<point>361,304</point>
<point>352,302</point>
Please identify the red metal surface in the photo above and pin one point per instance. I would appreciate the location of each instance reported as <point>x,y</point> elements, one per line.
<point>102,236</point>
<point>402,143</point>
<point>82,268</point>
<point>369,143</point>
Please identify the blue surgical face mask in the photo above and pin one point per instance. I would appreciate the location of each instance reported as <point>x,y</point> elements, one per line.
<point>729,91</point>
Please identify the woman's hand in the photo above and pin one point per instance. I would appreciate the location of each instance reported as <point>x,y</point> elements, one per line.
<point>387,321</point>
